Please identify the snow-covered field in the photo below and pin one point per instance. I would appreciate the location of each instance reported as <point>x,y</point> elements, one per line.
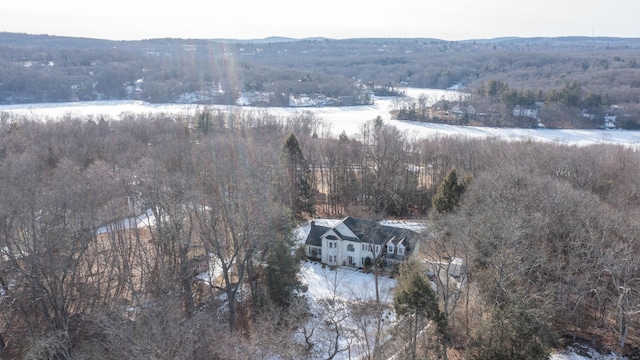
<point>348,119</point>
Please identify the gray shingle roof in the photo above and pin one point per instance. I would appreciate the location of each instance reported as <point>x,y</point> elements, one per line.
<point>365,231</point>
<point>314,235</point>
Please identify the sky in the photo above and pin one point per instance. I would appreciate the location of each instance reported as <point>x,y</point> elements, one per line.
<point>337,19</point>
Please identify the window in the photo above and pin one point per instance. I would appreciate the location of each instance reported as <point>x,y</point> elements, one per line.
<point>377,249</point>
<point>364,247</point>
<point>330,244</point>
<point>400,251</point>
<point>332,237</point>
<point>319,252</point>
<point>390,248</point>
<point>350,247</point>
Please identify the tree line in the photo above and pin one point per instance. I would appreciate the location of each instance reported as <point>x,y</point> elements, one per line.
<point>547,232</point>
<point>53,69</point>
<point>497,104</point>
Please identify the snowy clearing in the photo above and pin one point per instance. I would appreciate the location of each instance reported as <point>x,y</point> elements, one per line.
<point>343,284</point>
<point>334,298</point>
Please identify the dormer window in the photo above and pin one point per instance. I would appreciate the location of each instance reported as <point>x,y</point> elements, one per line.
<point>390,248</point>
<point>400,247</point>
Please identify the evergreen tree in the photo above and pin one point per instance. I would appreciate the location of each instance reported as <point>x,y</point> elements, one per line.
<point>204,123</point>
<point>517,328</point>
<point>281,274</point>
<point>416,302</point>
<point>449,192</point>
<point>299,192</point>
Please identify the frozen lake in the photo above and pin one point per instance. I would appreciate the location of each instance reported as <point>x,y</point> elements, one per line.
<point>348,119</point>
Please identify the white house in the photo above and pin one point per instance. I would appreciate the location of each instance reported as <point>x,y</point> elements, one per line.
<point>527,112</point>
<point>357,242</point>
<point>609,121</point>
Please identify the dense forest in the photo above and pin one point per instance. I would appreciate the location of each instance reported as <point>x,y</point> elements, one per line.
<point>549,233</point>
<point>571,82</point>
<point>106,226</point>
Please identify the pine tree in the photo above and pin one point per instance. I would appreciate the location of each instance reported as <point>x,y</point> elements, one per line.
<point>204,123</point>
<point>416,302</point>
<point>449,192</point>
<point>281,274</point>
<point>300,194</point>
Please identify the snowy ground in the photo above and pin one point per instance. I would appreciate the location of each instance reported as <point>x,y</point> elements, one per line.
<point>342,283</point>
<point>144,220</point>
<point>348,119</point>
<point>592,355</point>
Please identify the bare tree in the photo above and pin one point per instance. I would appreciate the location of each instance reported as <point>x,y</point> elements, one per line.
<point>238,217</point>
<point>47,236</point>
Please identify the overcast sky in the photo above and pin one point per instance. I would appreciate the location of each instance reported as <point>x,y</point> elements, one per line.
<point>339,19</point>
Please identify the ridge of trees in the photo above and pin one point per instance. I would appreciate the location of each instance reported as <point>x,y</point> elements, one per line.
<point>39,68</point>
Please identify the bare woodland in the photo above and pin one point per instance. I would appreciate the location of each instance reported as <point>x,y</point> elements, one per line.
<point>549,233</point>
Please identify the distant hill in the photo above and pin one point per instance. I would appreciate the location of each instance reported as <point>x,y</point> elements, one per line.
<point>567,41</point>
<point>51,41</point>
<point>43,68</point>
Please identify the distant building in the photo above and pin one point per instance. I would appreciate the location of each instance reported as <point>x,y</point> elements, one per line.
<point>526,112</point>
<point>610,121</point>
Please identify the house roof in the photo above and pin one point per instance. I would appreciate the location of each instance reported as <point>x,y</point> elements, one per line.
<point>365,231</point>
<point>315,235</point>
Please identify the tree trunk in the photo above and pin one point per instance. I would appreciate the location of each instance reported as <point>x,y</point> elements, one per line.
<point>414,337</point>
<point>185,275</point>
<point>624,329</point>
<point>231,298</point>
